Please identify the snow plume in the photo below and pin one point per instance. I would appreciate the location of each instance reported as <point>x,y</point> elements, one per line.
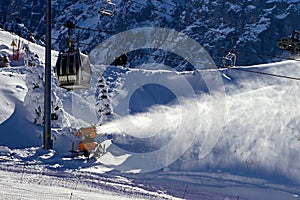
<point>256,132</point>
<point>266,130</point>
<point>34,100</point>
<point>260,136</point>
<point>168,131</point>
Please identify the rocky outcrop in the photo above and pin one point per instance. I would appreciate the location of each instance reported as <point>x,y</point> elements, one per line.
<point>250,27</point>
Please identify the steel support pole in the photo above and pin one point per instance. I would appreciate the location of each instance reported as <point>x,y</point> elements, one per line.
<point>47,91</point>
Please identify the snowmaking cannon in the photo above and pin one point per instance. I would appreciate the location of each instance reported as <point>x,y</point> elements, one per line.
<point>87,146</point>
<point>291,44</point>
<point>88,136</point>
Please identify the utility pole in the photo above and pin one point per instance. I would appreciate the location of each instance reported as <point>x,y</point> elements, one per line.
<point>47,92</point>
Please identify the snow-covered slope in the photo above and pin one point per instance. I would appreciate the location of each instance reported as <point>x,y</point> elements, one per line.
<point>227,132</point>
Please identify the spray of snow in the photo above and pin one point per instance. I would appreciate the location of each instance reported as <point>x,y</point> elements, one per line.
<point>260,131</point>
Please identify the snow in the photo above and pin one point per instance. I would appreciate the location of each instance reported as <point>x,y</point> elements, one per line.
<point>283,15</point>
<point>44,189</point>
<point>233,7</point>
<point>172,135</point>
<point>4,150</point>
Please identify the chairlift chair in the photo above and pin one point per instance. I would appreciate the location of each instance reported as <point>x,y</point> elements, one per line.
<point>229,60</point>
<point>290,44</point>
<point>108,9</point>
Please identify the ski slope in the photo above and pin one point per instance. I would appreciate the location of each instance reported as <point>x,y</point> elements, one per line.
<point>172,136</point>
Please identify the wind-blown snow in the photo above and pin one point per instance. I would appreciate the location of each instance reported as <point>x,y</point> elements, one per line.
<point>260,131</point>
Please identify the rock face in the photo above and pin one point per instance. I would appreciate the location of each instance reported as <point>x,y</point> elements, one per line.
<point>251,27</point>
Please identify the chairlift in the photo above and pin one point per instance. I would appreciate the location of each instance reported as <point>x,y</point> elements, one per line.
<point>108,9</point>
<point>229,60</point>
<point>290,44</point>
<point>73,69</point>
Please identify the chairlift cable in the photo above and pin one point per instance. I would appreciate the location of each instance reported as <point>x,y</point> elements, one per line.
<point>245,70</point>
<point>240,69</point>
<point>218,49</point>
<point>211,47</point>
<point>111,33</point>
<point>251,53</point>
<point>163,2</point>
<point>265,73</point>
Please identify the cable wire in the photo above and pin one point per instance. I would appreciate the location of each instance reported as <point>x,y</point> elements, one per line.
<point>210,29</point>
<point>265,73</point>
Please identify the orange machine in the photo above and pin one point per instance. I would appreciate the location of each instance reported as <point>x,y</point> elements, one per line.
<point>88,136</point>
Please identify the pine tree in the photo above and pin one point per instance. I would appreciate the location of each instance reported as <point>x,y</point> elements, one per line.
<point>102,102</point>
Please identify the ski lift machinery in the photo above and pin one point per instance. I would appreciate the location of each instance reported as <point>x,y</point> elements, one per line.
<point>108,8</point>
<point>73,69</point>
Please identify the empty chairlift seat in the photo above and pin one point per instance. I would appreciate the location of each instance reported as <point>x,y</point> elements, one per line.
<point>291,44</point>
<point>73,70</point>
<point>108,8</point>
<point>229,60</point>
